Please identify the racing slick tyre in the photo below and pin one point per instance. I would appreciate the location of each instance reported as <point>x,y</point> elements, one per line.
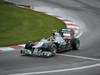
<point>75,44</point>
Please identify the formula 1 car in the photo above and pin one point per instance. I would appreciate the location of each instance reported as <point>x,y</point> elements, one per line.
<point>42,48</point>
<point>60,41</point>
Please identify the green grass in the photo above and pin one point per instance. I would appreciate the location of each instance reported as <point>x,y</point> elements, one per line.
<point>19,25</point>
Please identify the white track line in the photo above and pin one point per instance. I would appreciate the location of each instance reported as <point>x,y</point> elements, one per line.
<point>67,22</point>
<point>23,45</point>
<point>6,49</point>
<point>60,70</point>
<point>81,57</point>
<point>69,26</point>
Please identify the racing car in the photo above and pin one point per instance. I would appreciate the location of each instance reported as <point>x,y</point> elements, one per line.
<point>42,48</point>
<point>61,40</point>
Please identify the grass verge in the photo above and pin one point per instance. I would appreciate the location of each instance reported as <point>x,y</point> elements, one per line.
<point>19,25</point>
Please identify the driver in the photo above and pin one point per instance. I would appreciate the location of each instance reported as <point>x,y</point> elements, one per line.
<point>58,39</point>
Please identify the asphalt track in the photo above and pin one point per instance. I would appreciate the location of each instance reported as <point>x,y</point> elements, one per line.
<point>86,61</point>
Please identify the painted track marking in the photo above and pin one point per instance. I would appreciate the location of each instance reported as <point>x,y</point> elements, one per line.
<point>60,70</point>
<point>81,57</point>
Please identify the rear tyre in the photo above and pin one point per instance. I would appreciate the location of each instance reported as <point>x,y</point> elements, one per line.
<point>75,44</point>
